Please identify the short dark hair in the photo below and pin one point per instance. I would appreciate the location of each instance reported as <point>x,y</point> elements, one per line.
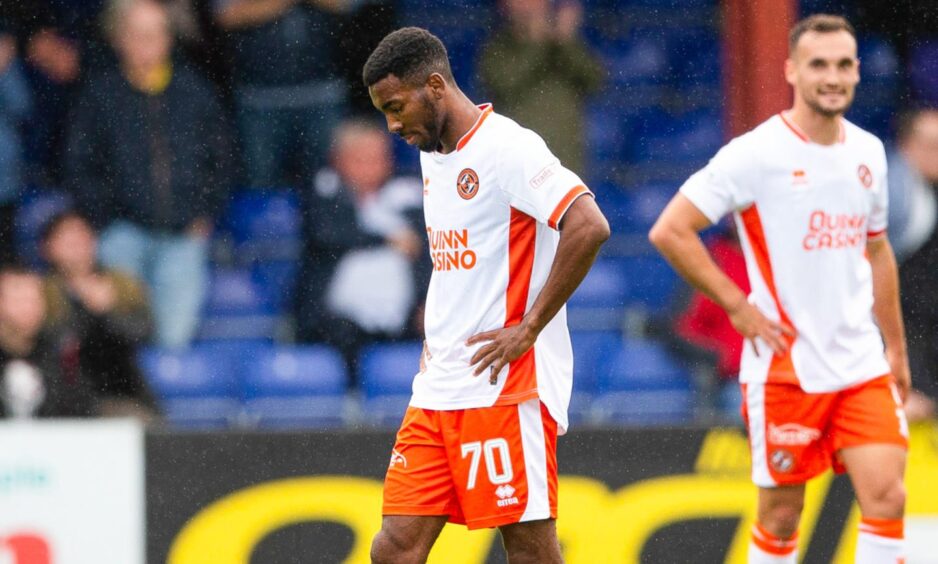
<point>411,54</point>
<point>907,121</point>
<point>818,23</point>
<point>50,227</point>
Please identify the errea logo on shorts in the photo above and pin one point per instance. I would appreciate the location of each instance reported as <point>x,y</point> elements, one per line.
<point>792,434</point>
<point>505,495</point>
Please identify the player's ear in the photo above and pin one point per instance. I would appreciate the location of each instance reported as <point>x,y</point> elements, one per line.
<point>437,84</point>
<point>790,71</point>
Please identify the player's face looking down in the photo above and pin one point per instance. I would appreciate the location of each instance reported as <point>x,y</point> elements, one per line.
<point>824,71</point>
<point>412,111</point>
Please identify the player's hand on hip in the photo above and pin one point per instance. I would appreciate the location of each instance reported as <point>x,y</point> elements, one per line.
<point>752,323</point>
<point>503,346</point>
<point>899,367</point>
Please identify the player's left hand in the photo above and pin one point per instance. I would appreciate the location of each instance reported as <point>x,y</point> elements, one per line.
<point>899,367</point>
<point>504,346</point>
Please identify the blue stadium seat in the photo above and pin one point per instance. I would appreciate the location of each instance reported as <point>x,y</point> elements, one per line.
<point>599,302</point>
<point>296,387</point>
<point>642,384</point>
<point>237,309</point>
<point>591,349</point>
<point>36,207</point>
<point>265,225</point>
<point>276,282</point>
<point>196,387</point>
<point>387,372</point>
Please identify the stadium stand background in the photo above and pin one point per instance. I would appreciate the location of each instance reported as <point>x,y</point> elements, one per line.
<point>659,117</point>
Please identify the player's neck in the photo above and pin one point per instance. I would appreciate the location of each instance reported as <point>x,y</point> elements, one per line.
<point>820,128</point>
<point>462,116</point>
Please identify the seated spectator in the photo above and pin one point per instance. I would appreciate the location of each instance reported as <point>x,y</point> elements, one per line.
<point>912,184</point>
<point>288,94</point>
<point>106,311</point>
<point>149,164</point>
<point>538,72</point>
<point>39,371</point>
<point>365,266</point>
<point>15,99</point>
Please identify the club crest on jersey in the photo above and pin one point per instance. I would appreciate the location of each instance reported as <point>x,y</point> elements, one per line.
<point>865,176</point>
<point>467,184</point>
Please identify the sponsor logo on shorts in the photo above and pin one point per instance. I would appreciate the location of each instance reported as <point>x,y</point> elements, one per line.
<point>506,495</point>
<point>397,458</point>
<point>467,184</point>
<point>792,434</point>
<point>782,460</point>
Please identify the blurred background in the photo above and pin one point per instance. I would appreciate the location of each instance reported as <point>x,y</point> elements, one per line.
<point>197,200</point>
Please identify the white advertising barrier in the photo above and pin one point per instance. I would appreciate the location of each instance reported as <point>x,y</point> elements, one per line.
<point>72,492</point>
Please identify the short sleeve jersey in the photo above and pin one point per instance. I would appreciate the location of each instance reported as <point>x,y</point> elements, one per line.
<point>492,209</point>
<point>804,213</point>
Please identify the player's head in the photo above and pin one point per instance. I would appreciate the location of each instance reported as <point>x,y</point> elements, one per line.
<point>822,64</point>
<point>409,78</point>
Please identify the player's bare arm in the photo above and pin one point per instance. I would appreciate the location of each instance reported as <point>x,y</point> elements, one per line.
<point>583,230</point>
<point>888,312</point>
<point>677,235</point>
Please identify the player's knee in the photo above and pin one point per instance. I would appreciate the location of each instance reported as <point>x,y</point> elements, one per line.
<point>393,548</point>
<point>887,501</point>
<point>782,519</point>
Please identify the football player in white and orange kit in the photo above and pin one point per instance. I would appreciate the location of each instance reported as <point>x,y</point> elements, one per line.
<point>511,233</point>
<point>824,370</point>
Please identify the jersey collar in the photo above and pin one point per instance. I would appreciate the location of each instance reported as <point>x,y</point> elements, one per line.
<point>486,110</point>
<point>842,136</point>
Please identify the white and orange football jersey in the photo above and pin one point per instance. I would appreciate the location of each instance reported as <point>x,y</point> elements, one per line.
<point>804,213</point>
<point>492,210</point>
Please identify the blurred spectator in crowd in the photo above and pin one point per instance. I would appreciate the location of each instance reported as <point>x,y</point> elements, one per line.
<point>287,94</point>
<point>361,31</point>
<point>15,102</point>
<point>39,371</point>
<point>538,71</point>
<point>105,310</point>
<point>912,184</point>
<point>913,176</point>
<point>365,263</point>
<point>58,41</point>
<point>149,160</point>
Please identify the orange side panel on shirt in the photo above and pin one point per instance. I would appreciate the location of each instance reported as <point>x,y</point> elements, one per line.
<point>522,380</point>
<point>781,369</point>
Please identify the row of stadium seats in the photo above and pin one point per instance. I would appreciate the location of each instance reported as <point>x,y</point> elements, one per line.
<point>259,240</point>
<point>251,384</point>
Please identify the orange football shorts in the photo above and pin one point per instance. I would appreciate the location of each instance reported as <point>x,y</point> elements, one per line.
<point>794,435</point>
<point>483,467</point>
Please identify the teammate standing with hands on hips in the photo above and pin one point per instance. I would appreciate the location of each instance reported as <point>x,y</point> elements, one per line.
<point>512,233</point>
<point>824,369</point>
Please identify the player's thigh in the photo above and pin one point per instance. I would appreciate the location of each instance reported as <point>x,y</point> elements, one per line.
<point>504,463</point>
<point>532,541</point>
<point>876,471</point>
<point>870,436</point>
<point>406,538</point>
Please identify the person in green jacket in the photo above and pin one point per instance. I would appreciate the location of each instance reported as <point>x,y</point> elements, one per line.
<point>538,71</point>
